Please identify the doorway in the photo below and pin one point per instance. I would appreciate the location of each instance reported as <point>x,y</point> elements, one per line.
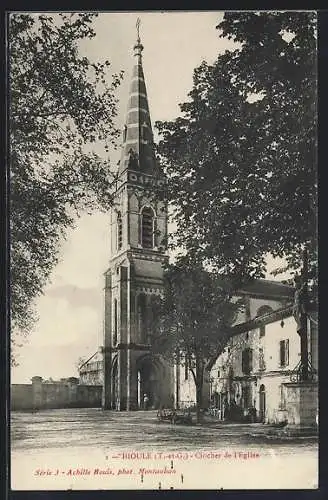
<point>150,380</point>
<point>262,403</point>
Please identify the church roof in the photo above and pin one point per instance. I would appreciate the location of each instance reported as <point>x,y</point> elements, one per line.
<point>267,289</point>
<point>138,147</point>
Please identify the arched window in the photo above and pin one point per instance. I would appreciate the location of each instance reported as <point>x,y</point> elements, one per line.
<point>262,311</point>
<point>147,228</point>
<point>119,231</point>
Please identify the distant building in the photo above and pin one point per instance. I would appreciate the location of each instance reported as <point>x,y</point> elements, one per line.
<point>91,371</point>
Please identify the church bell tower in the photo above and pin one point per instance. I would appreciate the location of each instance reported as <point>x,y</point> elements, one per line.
<point>134,280</point>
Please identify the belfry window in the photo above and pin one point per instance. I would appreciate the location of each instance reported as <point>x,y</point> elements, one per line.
<point>147,228</point>
<point>119,231</point>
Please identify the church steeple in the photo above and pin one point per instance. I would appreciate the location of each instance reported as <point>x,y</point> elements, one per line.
<point>134,280</point>
<point>138,146</point>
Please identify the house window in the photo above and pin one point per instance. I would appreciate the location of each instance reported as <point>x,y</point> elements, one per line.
<point>115,323</point>
<point>261,359</point>
<point>186,366</point>
<point>147,228</point>
<point>247,361</point>
<point>284,353</point>
<point>262,330</point>
<point>246,396</point>
<point>119,231</point>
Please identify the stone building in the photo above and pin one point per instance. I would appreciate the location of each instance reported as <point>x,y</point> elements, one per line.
<point>259,366</point>
<point>91,371</point>
<point>260,298</point>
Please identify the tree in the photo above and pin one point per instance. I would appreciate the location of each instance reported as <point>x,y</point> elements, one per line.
<point>242,157</point>
<point>60,103</point>
<point>194,320</point>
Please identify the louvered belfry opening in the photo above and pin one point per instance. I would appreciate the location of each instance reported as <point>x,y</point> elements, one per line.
<point>147,228</point>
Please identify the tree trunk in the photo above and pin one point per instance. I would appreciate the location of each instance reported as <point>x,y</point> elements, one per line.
<point>199,390</point>
<point>199,401</point>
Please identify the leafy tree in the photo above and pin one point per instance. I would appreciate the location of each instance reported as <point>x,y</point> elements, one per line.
<point>242,157</point>
<point>194,318</point>
<point>60,103</point>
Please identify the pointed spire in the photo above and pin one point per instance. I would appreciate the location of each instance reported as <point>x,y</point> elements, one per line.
<point>138,148</point>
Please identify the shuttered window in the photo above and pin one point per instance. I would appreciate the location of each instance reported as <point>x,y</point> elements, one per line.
<point>247,360</point>
<point>284,352</point>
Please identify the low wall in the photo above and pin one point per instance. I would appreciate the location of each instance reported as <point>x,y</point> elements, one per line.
<point>21,396</point>
<point>40,395</point>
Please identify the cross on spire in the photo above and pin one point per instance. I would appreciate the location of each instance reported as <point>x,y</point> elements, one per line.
<point>138,29</point>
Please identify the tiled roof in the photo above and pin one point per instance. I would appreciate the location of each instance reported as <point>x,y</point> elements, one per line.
<point>268,288</point>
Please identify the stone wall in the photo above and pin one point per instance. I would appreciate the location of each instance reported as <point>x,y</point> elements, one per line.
<point>21,396</point>
<point>43,395</point>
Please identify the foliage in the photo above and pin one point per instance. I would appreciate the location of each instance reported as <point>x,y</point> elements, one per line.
<point>60,103</point>
<point>242,157</point>
<point>195,316</point>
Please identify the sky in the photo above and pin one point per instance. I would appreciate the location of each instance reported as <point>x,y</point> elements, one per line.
<point>71,310</point>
